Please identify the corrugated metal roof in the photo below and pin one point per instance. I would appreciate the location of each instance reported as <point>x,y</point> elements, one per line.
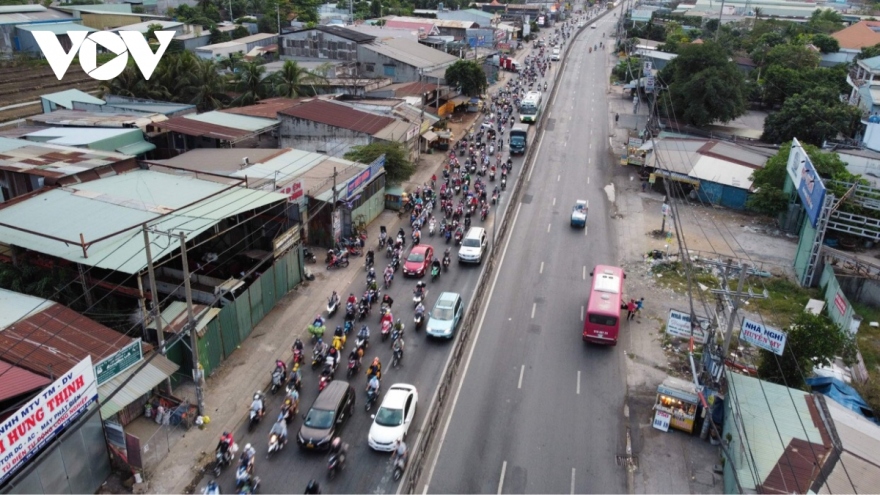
<point>782,433</point>
<point>15,381</point>
<point>339,115</point>
<point>316,181</point>
<point>134,149</point>
<point>47,16</point>
<point>158,369</point>
<point>175,317</point>
<point>267,109</point>
<point>446,23</point>
<point>52,341</point>
<point>80,118</point>
<point>192,127</point>
<point>56,27</point>
<point>723,172</point>
<point>858,435</point>
<point>15,306</point>
<point>143,27</point>
<point>124,202</point>
<point>219,161</point>
<point>234,121</point>
<point>240,41</point>
<point>78,136</point>
<point>49,160</point>
<point>12,9</point>
<point>346,33</point>
<point>411,53</point>
<point>397,131</point>
<point>289,165</point>
<point>67,97</point>
<point>420,25</point>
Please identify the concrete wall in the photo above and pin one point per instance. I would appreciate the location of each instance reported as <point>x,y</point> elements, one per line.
<point>108,20</point>
<point>318,44</point>
<point>374,64</point>
<point>308,135</point>
<point>462,15</point>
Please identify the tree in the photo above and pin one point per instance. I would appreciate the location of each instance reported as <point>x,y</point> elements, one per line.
<point>868,52</point>
<point>812,341</point>
<point>398,168</point>
<point>825,21</point>
<point>251,83</point>
<point>218,36</point>
<point>467,75</point>
<point>376,8</point>
<point>797,57</point>
<point>780,83</point>
<point>240,32</point>
<point>812,117</point>
<point>704,85</point>
<point>293,81</point>
<point>826,44</point>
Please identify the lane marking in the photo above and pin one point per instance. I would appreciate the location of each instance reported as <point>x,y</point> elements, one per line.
<point>588,179</point>
<point>589,161</point>
<point>585,272</point>
<point>591,145</point>
<point>538,152</point>
<point>548,227</point>
<point>558,178</point>
<point>534,307</point>
<point>501,481</point>
<point>582,313</point>
<point>522,369</point>
<point>579,383</point>
<point>542,268</point>
<point>554,201</point>
<point>467,363</point>
<point>572,476</point>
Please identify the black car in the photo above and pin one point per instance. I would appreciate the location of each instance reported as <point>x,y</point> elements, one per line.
<point>328,413</point>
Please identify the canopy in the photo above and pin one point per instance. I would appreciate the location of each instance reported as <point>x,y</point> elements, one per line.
<point>158,369</point>
<point>430,136</point>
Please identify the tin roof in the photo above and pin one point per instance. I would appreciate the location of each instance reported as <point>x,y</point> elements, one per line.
<point>26,14</point>
<point>80,118</point>
<point>240,41</point>
<point>56,27</point>
<point>15,381</point>
<point>397,131</point>
<point>858,470</point>
<point>48,160</point>
<point>267,109</point>
<point>411,53</point>
<point>224,161</point>
<point>339,115</point>
<point>74,136</point>
<point>143,27</point>
<point>67,97</point>
<point>346,33</point>
<point>290,165</point>
<point>53,339</point>
<point>192,127</point>
<point>123,203</point>
<point>235,121</point>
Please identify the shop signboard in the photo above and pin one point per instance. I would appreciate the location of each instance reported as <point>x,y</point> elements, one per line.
<point>811,190</point>
<point>634,142</point>
<point>679,325</point>
<point>840,303</point>
<point>293,191</point>
<point>796,160</point>
<point>28,430</point>
<point>662,420</point>
<point>540,20</point>
<point>122,360</point>
<point>360,179</point>
<point>759,335</point>
<point>336,220</point>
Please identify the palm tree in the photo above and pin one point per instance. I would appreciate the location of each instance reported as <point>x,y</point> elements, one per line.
<point>758,12</point>
<point>204,86</point>
<point>129,82</point>
<point>250,82</point>
<point>293,81</point>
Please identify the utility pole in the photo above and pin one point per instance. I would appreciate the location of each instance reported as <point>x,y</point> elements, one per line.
<point>718,29</point>
<point>154,312</point>
<point>665,210</point>
<point>333,210</point>
<point>191,323</point>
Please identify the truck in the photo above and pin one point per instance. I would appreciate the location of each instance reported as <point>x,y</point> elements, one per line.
<point>508,64</point>
<point>518,139</point>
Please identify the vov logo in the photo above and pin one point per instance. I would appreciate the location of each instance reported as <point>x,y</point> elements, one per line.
<point>123,44</point>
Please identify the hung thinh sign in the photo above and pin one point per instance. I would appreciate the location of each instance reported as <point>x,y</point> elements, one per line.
<point>122,44</point>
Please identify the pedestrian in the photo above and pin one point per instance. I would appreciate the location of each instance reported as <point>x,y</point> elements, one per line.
<point>644,185</point>
<point>630,309</point>
<point>639,305</point>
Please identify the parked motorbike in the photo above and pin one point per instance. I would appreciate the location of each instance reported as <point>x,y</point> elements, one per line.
<point>309,256</point>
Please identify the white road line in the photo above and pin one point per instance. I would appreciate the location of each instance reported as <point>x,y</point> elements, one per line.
<point>425,491</point>
<point>588,180</point>
<point>591,145</point>
<point>548,227</point>
<point>501,481</point>
<point>522,369</point>
<point>572,477</point>
<point>558,177</point>
<point>542,268</point>
<point>582,313</point>
<point>579,383</point>
<point>467,362</point>
<point>585,272</point>
<point>589,161</point>
<point>554,201</point>
<point>538,152</point>
<point>534,307</point>
<point>585,230</point>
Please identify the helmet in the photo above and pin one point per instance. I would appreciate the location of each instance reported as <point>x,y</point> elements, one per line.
<point>335,443</point>
<point>339,327</point>
<point>376,360</point>
<point>296,367</point>
<point>248,447</point>
<point>225,433</point>
<point>398,320</point>
<point>256,395</point>
<point>320,341</point>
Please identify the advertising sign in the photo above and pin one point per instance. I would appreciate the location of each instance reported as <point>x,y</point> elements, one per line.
<point>767,338</point>
<point>294,192</point>
<point>679,325</point>
<point>540,20</point>
<point>840,303</point>
<point>24,433</point>
<point>796,163</point>
<point>124,359</point>
<point>661,420</point>
<point>360,179</point>
<point>285,241</point>
<point>811,190</point>
<point>377,165</point>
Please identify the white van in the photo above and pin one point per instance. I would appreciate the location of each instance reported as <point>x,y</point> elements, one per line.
<point>555,55</point>
<point>473,246</point>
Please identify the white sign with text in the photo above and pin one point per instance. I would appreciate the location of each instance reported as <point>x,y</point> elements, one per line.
<point>765,337</point>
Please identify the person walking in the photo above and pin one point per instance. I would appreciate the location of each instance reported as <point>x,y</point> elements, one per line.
<point>639,305</point>
<point>630,309</point>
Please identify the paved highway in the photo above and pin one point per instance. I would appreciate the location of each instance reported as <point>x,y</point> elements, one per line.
<point>538,411</point>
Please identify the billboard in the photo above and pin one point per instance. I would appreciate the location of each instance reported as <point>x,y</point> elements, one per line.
<point>810,188</point>
<point>796,159</point>
<point>679,325</point>
<point>767,338</point>
<point>24,433</point>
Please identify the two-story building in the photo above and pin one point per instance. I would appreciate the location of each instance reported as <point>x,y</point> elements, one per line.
<point>402,60</point>
<point>324,43</point>
<point>864,81</point>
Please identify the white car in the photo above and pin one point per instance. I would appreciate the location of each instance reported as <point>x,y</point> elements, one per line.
<point>593,26</point>
<point>395,415</point>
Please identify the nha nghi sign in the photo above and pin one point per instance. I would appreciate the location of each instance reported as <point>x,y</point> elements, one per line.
<point>86,44</point>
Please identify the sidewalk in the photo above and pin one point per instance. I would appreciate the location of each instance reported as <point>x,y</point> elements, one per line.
<point>227,392</point>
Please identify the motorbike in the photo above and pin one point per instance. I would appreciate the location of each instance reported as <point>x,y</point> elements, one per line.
<point>335,463</point>
<point>354,366</point>
<point>371,399</point>
<point>396,358</point>
<point>399,467</point>
<point>317,358</point>
<point>288,409</point>
<point>458,236</point>
<point>338,262</point>
<point>435,272</point>
<point>448,236</point>
<point>253,419</point>
<point>361,343</point>
<point>503,183</point>
<point>395,263</point>
<point>325,380</point>
<point>309,256</point>
<point>386,330</point>
<point>494,198</point>
<point>431,228</point>
<point>222,460</point>
<point>277,380</point>
<point>418,320</point>
<point>492,176</point>
<point>483,214</point>
<point>275,444</point>
<point>350,311</point>
<point>363,310</point>
<point>297,357</point>
<point>418,297</point>
<point>388,278</point>
<point>397,333</point>
<point>316,332</point>
<point>332,306</point>
<point>446,260</point>
<point>383,236</point>
<point>348,327</point>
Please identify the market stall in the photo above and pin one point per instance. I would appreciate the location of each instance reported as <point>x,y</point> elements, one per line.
<point>676,406</point>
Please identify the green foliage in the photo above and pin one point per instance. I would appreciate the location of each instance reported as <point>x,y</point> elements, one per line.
<point>239,32</point>
<point>648,31</point>
<point>250,83</point>
<point>812,117</point>
<point>813,341</point>
<point>218,36</point>
<point>868,52</point>
<point>14,2</point>
<point>704,85</point>
<point>398,168</point>
<point>825,21</point>
<point>791,56</point>
<point>768,201</point>
<point>780,83</point>
<point>293,81</point>
<point>469,76</point>
<point>626,70</point>
<point>826,44</point>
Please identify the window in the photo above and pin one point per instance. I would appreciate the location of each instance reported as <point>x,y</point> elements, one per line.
<point>608,321</point>
<point>370,67</point>
<point>389,70</point>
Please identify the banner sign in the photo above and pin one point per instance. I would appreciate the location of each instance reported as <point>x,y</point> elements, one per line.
<point>767,338</point>
<point>294,191</point>
<point>24,433</point>
<point>810,189</point>
<point>840,303</point>
<point>364,177</point>
<point>661,420</point>
<point>679,325</point>
<point>124,359</point>
<point>796,159</point>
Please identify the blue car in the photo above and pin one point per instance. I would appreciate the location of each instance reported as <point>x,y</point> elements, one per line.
<point>579,213</point>
<point>446,315</point>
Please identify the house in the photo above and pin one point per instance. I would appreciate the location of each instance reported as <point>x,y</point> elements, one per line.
<point>217,130</point>
<point>478,17</point>
<point>423,27</point>
<point>26,43</point>
<point>65,100</point>
<point>13,16</point>
<point>333,128</point>
<point>656,57</point>
<point>444,27</point>
<point>107,16</point>
<point>323,42</point>
<point>862,34</point>
<point>241,46</point>
<point>717,172</point>
<point>192,36</point>
<point>26,166</point>
<point>126,141</point>
<point>385,32</point>
<point>130,105</point>
<point>144,27</point>
<point>784,440</point>
<point>864,81</point>
<point>401,60</point>
<point>305,177</point>
<point>81,118</point>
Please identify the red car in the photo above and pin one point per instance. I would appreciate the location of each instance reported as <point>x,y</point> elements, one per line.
<point>418,261</point>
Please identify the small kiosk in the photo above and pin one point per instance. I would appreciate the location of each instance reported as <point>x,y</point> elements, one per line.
<point>676,406</point>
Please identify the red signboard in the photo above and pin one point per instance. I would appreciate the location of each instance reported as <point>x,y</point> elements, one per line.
<point>294,191</point>
<point>840,303</point>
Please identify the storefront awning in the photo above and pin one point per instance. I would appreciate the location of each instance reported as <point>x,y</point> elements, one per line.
<point>135,149</point>
<point>678,177</point>
<point>460,100</point>
<point>430,136</point>
<point>158,369</point>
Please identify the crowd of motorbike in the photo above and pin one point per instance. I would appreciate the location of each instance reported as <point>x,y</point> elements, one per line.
<point>474,176</point>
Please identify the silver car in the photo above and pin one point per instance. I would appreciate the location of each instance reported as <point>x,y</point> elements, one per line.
<point>445,316</point>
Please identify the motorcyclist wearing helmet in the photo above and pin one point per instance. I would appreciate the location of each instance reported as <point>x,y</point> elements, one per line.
<point>351,299</point>
<point>280,429</point>
<point>319,321</point>
<point>257,404</point>
<point>248,457</point>
<point>375,368</point>
<point>339,449</point>
<point>373,385</point>
<point>419,291</point>
<point>313,488</point>
<point>397,346</point>
<point>364,333</point>
<point>386,299</point>
<point>420,309</point>
<point>297,346</point>
<point>224,446</point>
<point>399,452</point>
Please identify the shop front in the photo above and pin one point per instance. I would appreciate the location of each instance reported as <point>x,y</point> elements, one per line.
<point>676,406</point>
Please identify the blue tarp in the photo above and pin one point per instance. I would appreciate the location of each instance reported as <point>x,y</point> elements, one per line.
<point>843,394</point>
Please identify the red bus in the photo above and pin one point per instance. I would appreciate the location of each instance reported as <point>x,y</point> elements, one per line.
<point>602,321</point>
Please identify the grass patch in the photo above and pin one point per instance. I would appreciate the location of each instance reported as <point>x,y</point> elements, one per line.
<point>870,391</point>
<point>673,276</point>
<point>786,300</point>
<point>869,337</point>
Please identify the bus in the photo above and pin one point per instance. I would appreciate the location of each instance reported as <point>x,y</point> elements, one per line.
<point>602,321</point>
<point>518,139</point>
<point>530,107</point>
